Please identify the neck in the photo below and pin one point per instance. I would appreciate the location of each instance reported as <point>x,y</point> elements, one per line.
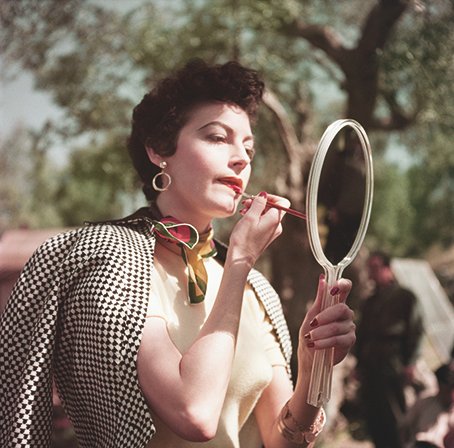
<point>171,247</point>
<point>200,222</point>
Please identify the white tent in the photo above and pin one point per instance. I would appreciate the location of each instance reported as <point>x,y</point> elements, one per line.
<point>418,276</point>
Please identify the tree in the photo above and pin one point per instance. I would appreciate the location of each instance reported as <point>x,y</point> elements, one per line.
<point>97,185</point>
<point>27,186</point>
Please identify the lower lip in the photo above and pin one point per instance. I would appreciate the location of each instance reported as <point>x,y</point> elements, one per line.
<point>235,188</point>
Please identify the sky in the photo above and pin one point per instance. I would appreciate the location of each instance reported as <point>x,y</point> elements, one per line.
<point>21,104</point>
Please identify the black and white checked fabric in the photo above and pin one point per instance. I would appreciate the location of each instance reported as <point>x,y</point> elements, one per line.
<point>77,314</point>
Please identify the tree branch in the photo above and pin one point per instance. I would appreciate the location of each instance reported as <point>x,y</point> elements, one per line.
<point>322,37</point>
<point>397,119</point>
<point>285,127</point>
<point>379,24</point>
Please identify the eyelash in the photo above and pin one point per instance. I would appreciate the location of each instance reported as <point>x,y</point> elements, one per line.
<point>218,138</point>
<point>250,153</point>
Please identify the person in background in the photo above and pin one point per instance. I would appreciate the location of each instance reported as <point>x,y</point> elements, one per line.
<point>157,334</point>
<point>389,333</point>
<point>430,420</point>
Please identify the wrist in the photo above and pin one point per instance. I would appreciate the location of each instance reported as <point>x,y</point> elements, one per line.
<point>305,359</point>
<point>293,431</point>
<point>239,260</point>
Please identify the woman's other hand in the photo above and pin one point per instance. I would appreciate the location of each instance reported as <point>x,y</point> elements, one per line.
<point>333,327</point>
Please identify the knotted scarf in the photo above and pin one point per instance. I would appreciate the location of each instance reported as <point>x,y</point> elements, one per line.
<point>194,249</point>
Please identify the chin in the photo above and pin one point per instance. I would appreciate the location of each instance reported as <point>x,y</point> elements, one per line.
<point>226,209</point>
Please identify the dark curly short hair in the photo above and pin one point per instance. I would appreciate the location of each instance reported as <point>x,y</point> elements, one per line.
<point>159,117</point>
<point>382,255</point>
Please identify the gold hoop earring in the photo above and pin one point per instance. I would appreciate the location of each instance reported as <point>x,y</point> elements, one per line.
<point>166,179</point>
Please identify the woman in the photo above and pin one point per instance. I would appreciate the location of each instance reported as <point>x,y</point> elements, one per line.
<point>156,339</point>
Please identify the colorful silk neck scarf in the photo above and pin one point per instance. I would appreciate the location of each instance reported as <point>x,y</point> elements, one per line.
<point>194,248</point>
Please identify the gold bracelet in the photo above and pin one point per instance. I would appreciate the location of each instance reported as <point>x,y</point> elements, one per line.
<point>300,434</point>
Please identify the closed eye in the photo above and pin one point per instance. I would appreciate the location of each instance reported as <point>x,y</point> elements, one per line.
<point>250,152</point>
<point>217,138</point>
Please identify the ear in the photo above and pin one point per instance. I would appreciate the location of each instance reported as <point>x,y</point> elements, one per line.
<point>153,156</point>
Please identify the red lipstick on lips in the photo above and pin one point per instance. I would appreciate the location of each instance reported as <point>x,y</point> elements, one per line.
<point>236,189</point>
<point>234,184</point>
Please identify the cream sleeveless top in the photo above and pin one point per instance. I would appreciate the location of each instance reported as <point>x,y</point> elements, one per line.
<point>257,351</point>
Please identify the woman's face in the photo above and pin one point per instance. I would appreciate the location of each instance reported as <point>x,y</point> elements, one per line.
<point>211,165</point>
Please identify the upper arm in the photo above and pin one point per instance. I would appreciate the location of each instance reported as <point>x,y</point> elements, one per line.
<point>171,393</point>
<point>272,400</point>
<point>157,367</point>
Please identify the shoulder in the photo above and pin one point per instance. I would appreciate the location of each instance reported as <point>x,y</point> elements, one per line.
<point>114,238</point>
<point>52,252</point>
<point>70,251</point>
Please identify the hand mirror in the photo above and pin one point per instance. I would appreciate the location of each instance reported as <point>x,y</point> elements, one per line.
<point>338,206</point>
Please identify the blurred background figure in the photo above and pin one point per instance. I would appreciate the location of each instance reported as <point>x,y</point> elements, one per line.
<point>389,334</point>
<point>430,421</point>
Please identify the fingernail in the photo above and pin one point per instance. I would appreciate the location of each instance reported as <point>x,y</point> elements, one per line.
<point>310,344</point>
<point>307,336</point>
<point>335,290</point>
<point>263,194</point>
<point>314,322</point>
<point>322,277</point>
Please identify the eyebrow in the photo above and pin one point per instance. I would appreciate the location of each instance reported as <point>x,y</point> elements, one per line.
<point>225,127</point>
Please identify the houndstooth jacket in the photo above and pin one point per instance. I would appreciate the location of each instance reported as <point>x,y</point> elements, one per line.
<point>76,314</point>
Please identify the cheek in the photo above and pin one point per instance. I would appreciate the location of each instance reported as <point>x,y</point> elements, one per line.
<point>195,171</point>
<point>246,176</point>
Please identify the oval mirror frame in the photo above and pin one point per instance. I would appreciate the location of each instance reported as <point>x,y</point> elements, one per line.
<point>313,185</point>
<point>321,376</point>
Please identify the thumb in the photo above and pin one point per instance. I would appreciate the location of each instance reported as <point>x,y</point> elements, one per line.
<point>259,203</point>
<point>317,305</point>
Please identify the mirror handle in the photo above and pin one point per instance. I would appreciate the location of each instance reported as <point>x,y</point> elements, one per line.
<point>322,366</point>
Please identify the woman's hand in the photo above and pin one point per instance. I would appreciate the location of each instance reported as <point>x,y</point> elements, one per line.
<point>332,327</point>
<point>258,228</point>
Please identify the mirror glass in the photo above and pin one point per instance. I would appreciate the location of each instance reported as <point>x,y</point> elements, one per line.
<point>341,195</point>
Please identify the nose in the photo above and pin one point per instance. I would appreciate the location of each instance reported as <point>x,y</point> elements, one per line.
<point>239,158</point>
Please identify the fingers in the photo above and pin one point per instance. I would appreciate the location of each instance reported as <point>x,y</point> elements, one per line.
<point>279,200</point>
<point>264,216</point>
<point>341,290</point>
<point>344,287</point>
<point>315,308</point>
<point>257,204</point>
<point>259,227</point>
<point>332,327</point>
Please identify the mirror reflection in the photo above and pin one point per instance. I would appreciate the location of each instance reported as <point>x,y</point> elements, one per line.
<point>341,194</point>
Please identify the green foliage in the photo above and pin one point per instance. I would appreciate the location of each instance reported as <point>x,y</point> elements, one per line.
<point>392,213</point>
<point>419,62</point>
<point>432,194</point>
<point>99,183</point>
<point>28,182</point>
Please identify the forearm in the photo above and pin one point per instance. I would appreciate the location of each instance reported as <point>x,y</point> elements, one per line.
<point>187,389</point>
<point>205,367</point>
<point>296,418</point>
<point>285,416</point>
